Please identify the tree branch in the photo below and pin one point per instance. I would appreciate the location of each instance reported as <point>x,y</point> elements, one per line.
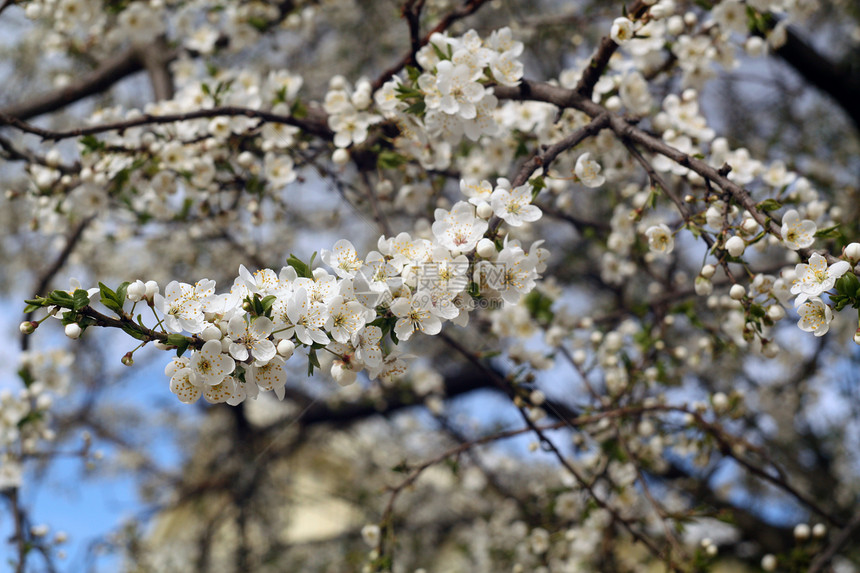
<point>110,72</point>
<point>836,80</point>
<point>315,124</point>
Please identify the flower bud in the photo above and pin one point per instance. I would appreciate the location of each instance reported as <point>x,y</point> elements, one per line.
<point>28,326</point>
<point>151,290</point>
<point>342,374</point>
<point>720,402</point>
<point>340,156</point>
<point>708,271</point>
<point>737,292</point>
<point>768,562</point>
<point>286,348</point>
<point>245,159</point>
<point>371,534</point>
<point>127,359</point>
<point>136,291</point>
<point>801,532</point>
<point>703,286</point>
<point>736,246</point>
<point>819,530</point>
<point>484,210</point>
<point>749,226</point>
<point>775,312</point>
<point>211,332</point>
<point>486,248</point>
<point>73,330</point>
<point>852,253</point>
<point>755,46</point>
<point>857,336</point>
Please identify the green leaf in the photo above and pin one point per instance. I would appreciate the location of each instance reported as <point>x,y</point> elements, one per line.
<point>829,232</point>
<point>769,205</point>
<point>313,361</point>
<point>267,303</point>
<point>298,110</point>
<point>413,73</point>
<point>538,184</point>
<point>417,108</point>
<point>109,298</point>
<point>26,377</point>
<point>80,298</point>
<point>390,160</point>
<point>302,269</point>
<point>179,341</point>
<point>847,284</point>
<point>121,292</point>
<point>61,298</point>
<point>757,310</point>
<point>134,333</point>
<point>35,304</point>
<point>91,144</point>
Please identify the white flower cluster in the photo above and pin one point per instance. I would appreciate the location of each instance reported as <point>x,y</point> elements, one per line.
<point>450,94</point>
<point>347,108</point>
<point>196,26</point>
<point>408,285</point>
<point>25,418</point>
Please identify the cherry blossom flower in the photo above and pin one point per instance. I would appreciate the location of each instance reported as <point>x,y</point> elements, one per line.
<point>660,239</point>
<point>459,229</point>
<point>251,339</point>
<point>345,319</point>
<point>414,315</point>
<point>210,365</point>
<point>366,343</point>
<point>269,376</point>
<point>588,171</point>
<point>308,318</point>
<point>477,191</point>
<point>797,233</point>
<point>343,259</point>
<point>182,381</point>
<point>815,316</point>
<point>182,305</point>
<point>512,273</point>
<point>816,277</point>
<point>622,30</point>
<point>514,206</point>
